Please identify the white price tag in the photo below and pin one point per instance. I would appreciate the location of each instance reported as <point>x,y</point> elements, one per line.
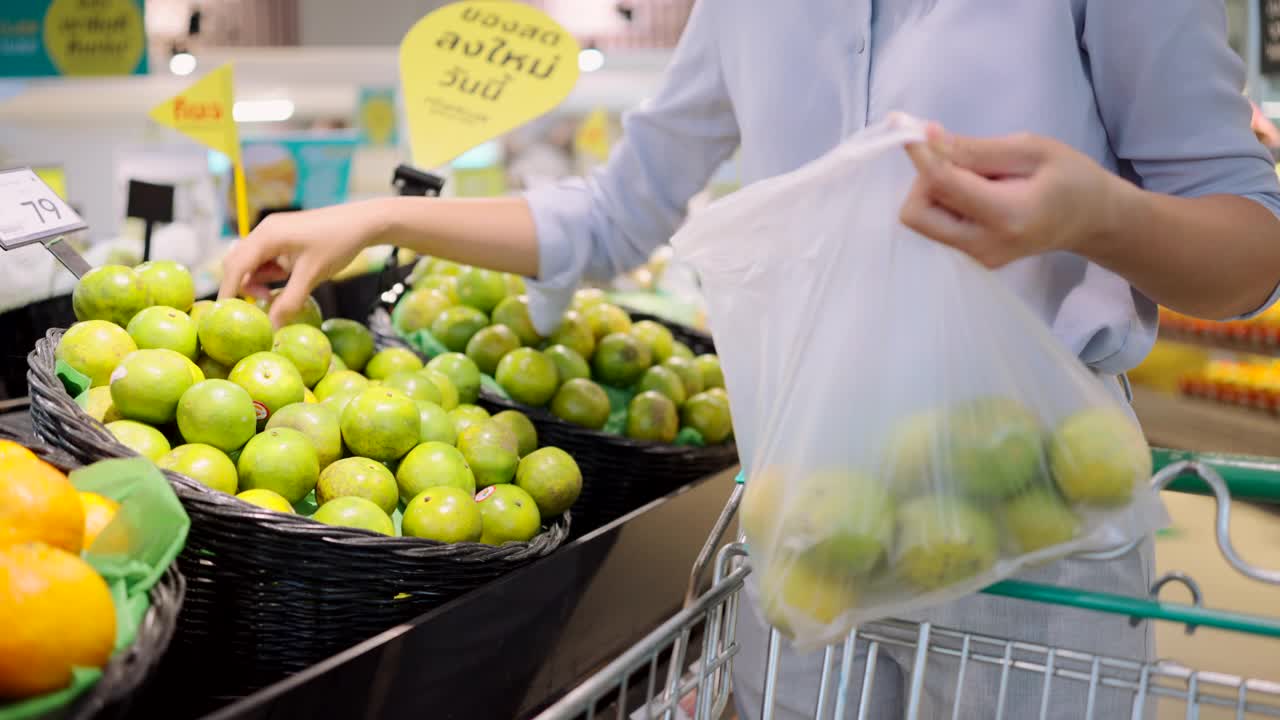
<point>30,211</point>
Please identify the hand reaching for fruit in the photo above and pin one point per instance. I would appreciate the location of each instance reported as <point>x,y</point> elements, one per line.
<point>304,247</point>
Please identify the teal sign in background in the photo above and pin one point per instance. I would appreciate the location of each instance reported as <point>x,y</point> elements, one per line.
<point>80,28</point>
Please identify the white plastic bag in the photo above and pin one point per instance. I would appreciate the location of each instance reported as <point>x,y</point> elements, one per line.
<point>910,431</point>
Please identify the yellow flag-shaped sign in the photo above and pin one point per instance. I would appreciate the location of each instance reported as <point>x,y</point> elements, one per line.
<point>203,112</point>
<point>592,137</point>
<point>473,70</point>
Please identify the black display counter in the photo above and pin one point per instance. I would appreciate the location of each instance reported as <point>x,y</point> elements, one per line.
<point>503,651</point>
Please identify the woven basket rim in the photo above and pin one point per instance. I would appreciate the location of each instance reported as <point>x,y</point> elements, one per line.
<point>129,668</point>
<point>48,396</point>
<point>385,334</point>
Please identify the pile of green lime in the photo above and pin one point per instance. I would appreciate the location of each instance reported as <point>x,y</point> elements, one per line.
<point>310,417</point>
<point>599,369</point>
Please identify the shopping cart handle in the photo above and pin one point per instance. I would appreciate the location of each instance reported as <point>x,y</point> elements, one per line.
<point>1248,477</point>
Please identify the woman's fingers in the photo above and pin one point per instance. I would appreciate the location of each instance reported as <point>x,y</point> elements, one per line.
<point>1013,155</point>
<point>302,280</point>
<point>921,214</point>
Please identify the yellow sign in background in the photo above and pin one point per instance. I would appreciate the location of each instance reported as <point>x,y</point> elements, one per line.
<point>94,37</point>
<point>205,112</point>
<point>471,71</point>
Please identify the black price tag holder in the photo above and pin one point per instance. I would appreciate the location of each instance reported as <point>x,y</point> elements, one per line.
<point>31,212</point>
<point>151,203</point>
<point>408,182</point>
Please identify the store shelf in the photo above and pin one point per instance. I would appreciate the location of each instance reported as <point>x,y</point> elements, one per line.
<point>1181,422</point>
<point>1229,344</point>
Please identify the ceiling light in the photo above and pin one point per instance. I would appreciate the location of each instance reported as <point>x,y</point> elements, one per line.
<point>182,63</point>
<point>248,111</point>
<point>590,60</point>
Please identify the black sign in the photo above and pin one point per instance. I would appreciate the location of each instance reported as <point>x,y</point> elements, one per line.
<point>150,201</point>
<point>1269,16</point>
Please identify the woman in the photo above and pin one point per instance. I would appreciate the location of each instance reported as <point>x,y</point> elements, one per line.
<point>1097,152</point>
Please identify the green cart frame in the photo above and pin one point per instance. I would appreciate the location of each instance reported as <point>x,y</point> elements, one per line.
<point>698,684</point>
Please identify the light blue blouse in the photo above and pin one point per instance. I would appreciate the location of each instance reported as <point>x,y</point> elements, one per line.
<point>1148,88</point>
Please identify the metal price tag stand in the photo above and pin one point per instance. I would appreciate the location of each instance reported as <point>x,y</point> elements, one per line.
<point>31,212</point>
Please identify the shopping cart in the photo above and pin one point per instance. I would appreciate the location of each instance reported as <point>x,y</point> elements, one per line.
<point>682,669</point>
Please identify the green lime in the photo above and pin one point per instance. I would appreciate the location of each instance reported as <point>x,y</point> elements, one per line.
<point>606,319</point>
<point>436,424</point>
<point>712,375</point>
<point>664,380</point>
<point>340,381</point>
<point>680,350</point>
<point>271,380</point>
<point>569,364</point>
<point>218,413</point>
<point>142,439</point>
<point>652,416</point>
<point>552,479</point>
<point>355,512</point>
<point>390,361</point>
<point>351,342</point>
<point>203,463</point>
<point>509,514</point>
<point>444,514</point>
<point>419,308</point>
<point>461,371</point>
<point>164,327</point>
<point>621,359</point>
<point>581,402</point>
<point>282,460</point>
<point>513,312</point>
<point>416,385</point>
<point>656,336</point>
<point>481,289</point>
<point>167,283</point>
<point>448,391</point>
<point>212,369</point>
<point>455,326</point>
<point>232,330</point>
<point>433,464</point>
<point>267,499</point>
<point>708,413</point>
<point>95,348</point>
<point>381,423</point>
<point>575,333</point>
<point>113,293</point>
<point>464,416</point>
<point>690,375</point>
<point>528,376</point>
<point>147,385</point>
<point>307,348</point>
<point>492,452</point>
<point>318,422</point>
<point>521,427</point>
<point>490,345</point>
<point>359,477</point>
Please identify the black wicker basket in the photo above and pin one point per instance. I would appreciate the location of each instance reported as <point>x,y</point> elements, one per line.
<point>618,474</point>
<point>126,676</point>
<point>272,593</point>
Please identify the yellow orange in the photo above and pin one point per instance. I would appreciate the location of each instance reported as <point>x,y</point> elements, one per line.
<point>99,511</point>
<point>38,503</point>
<point>57,614</point>
<point>10,450</point>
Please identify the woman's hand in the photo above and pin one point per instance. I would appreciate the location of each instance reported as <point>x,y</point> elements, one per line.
<point>305,247</point>
<point>1002,199</point>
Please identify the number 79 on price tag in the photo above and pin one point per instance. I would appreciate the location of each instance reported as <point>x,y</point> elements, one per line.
<point>30,211</point>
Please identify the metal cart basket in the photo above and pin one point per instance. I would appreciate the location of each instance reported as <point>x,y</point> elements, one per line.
<point>683,668</point>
